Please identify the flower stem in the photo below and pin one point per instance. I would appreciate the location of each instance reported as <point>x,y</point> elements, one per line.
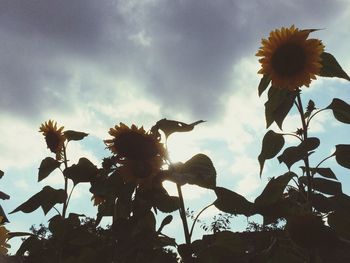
<point>65,204</point>
<point>195,220</point>
<point>306,159</point>
<point>183,215</point>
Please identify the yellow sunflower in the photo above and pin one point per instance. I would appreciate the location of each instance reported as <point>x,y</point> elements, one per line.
<point>140,154</point>
<point>3,240</point>
<point>289,58</point>
<point>54,137</point>
<point>134,143</point>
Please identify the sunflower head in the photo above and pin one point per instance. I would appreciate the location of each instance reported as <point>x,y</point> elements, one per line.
<point>54,137</point>
<point>143,173</point>
<point>134,143</point>
<point>289,58</point>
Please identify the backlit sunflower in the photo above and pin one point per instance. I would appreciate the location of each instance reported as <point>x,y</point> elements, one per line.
<point>140,154</point>
<point>3,240</point>
<point>289,58</point>
<point>54,137</point>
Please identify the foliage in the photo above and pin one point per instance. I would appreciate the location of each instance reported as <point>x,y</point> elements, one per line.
<point>127,187</point>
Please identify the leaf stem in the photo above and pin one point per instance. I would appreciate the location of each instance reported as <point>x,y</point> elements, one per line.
<point>306,159</point>
<point>313,115</point>
<point>195,220</point>
<point>183,215</point>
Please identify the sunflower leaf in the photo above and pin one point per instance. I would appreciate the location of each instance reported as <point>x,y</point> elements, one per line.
<point>47,166</point>
<point>74,135</point>
<point>198,170</point>
<point>271,145</point>
<point>324,185</point>
<point>45,199</point>
<point>231,202</point>
<point>83,171</point>
<point>1,174</point>
<point>3,216</point>
<point>274,190</point>
<point>278,105</point>
<point>171,126</point>
<point>342,155</point>
<point>4,196</point>
<point>264,83</point>
<point>331,67</point>
<point>341,110</point>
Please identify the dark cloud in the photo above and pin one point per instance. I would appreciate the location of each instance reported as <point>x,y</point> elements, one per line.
<point>182,52</point>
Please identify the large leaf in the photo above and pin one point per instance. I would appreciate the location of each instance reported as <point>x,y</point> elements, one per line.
<point>342,155</point>
<point>322,185</point>
<point>75,135</point>
<point>46,199</point>
<point>321,203</point>
<point>274,190</point>
<point>83,171</point>
<point>271,145</point>
<point>331,67</point>
<point>198,170</point>
<point>166,203</point>
<point>233,203</point>
<point>47,166</point>
<point>325,172</point>
<point>171,126</point>
<point>341,110</point>
<point>294,154</point>
<point>264,83</point>
<point>278,105</point>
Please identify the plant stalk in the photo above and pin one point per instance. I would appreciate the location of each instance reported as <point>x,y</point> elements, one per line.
<point>65,204</point>
<point>183,215</point>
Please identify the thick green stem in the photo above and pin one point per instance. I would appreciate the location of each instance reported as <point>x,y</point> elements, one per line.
<point>306,159</point>
<point>183,215</point>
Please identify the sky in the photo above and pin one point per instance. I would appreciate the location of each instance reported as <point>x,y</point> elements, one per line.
<point>92,64</point>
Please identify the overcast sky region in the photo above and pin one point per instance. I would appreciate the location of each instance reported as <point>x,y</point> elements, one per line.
<point>91,64</point>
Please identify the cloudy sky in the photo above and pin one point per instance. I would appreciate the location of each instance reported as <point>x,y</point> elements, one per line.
<point>92,64</point>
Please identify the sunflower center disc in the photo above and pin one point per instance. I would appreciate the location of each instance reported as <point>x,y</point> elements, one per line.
<point>288,60</point>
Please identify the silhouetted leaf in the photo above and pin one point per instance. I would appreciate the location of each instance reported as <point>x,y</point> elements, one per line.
<point>271,145</point>
<point>231,202</point>
<point>321,203</point>
<point>278,105</point>
<point>32,244</point>
<point>1,174</point>
<point>18,234</point>
<point>166,203</point>
<point>198,170</point>
<point>171,126</point>
<point>309,109</point>
<point>325,172</point>
<point>340,223</point>
<point>294,154</point>
<point>83,171</point>
<point>323,185</point>
<point>45,199</point>
<point>274,190</point>
<point>264,83</point>
<point>74,135</point>
<point>341,110</point>
<point>47,166</point>
<point>4,196</point>
<point>331,67</point>
<point>166,221</point>
<point>342,155</point>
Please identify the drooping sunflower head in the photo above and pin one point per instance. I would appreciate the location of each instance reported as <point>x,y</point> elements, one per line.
<point>134,143</point>
<point>289,58</point>
<point>54,137</point>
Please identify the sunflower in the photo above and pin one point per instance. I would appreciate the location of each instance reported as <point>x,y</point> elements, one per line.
<point>289,59</point>
<point>134,143</point>
<point>54,137</point>
<point>3,240</point>
<point>140,154</point>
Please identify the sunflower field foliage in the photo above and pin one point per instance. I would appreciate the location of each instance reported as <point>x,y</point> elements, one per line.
<point>306,215</point>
